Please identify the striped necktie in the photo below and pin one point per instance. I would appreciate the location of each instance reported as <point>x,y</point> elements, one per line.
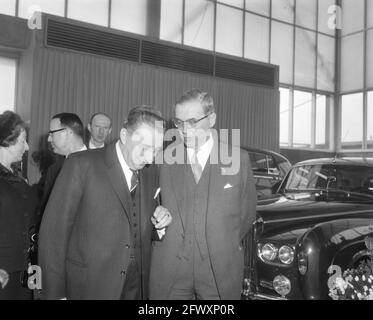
<point>196,167</point>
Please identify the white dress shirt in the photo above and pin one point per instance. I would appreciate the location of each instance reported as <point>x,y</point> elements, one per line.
<point>203,152</point>
<point>126,169</point>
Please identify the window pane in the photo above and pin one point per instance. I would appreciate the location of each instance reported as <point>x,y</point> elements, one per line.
<point>369,67</point>
<point>325,63</point>
<point>8,68</point>
<point>352,16</point>
<point>199,24</point>
<point>320,130</point>
<point>8,7</point>
<point>256,37</point>
<point>92,11</point>
<point>305,58</point>
<point>28,7</point>
<point>302,119</point>
<point>171,20</point>
<point>370,120</point>
<point>283,10</point>
<point>229,22</point>
<point>352,62</point>
<point>235,3</point>
<point>282,50</point>
<point>284,116</point>
<point>306,13</point>
<point>129,15</point>
<point>352,121</point>
<point>258,6</point>
<point>325,18</point>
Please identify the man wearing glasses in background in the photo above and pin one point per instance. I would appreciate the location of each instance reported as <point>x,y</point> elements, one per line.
<point>66,136</point>
<point>201,256</point>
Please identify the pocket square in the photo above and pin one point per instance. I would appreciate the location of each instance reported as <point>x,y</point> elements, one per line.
<point>157,193</point>
<point>227,186</point>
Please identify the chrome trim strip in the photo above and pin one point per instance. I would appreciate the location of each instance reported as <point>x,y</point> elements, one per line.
<point>318,216</point>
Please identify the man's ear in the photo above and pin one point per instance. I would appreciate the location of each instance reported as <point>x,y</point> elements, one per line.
<point>212,119</point>
<point>89,127</point>
<point>123,135</point>
<point>109,131</point>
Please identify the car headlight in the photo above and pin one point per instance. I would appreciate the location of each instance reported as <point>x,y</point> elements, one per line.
<point>282,285</point>
<point>286,254</point>
<point>269,252</point>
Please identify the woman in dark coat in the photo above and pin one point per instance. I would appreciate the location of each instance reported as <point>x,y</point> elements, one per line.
<point>18,203</point>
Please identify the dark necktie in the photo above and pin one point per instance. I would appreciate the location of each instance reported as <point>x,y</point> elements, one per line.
<point>134,180</point>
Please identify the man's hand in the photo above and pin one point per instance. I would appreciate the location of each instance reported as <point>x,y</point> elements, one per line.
<point>161,218</point>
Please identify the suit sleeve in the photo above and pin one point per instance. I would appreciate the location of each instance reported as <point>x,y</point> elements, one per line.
<point>56,227</point>
<point>248,197</point>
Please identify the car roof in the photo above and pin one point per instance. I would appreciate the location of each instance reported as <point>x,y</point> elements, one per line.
<point>355,161</point>
<point>268,152</point>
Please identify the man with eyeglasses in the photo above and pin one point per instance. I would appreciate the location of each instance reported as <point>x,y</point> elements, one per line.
<point>66,136</point>
<point>202,257</point>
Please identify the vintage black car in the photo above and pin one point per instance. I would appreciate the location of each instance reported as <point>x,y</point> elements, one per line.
<point>323,213</point>
<point>269,169</point>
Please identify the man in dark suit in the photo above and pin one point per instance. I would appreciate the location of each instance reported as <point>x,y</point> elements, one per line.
<point>95,236</point>
<point>213,208</point>
<point>66,133</point>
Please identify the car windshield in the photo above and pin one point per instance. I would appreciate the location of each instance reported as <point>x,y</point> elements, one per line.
<point>332,177</point>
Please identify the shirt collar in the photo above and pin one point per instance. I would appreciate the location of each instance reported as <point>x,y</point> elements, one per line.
<point>126,169</point>
<point>203,152</point>
<point>92,146</point>
<point>84,148</point>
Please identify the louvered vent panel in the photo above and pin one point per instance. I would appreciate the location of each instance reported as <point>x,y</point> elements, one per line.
<point>70,36</point>
<point>85,39</point>
<point>176,58</point>
<point>245,71</point>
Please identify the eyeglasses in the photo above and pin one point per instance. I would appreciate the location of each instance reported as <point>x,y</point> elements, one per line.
<point>191,122</point>
<point>50,132</point>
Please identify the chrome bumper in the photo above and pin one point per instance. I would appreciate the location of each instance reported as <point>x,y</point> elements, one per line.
<point>259,296</point>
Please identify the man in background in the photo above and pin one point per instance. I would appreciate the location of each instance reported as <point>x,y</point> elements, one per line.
<point>66,136</point>
<point>99,128</point>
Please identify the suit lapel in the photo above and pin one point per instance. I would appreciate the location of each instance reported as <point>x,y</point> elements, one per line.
<point>215,178</point>
<point>117,178</point>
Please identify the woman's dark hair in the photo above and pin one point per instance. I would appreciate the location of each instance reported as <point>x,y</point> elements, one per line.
<point>11,126</point>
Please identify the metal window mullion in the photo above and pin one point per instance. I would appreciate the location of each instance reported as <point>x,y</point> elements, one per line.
<point>244,28</point>
<point>183,23</point>
<point>215,34</point>
<point>365,94</point>
<point>313,120</point>
<point>291,117</point>
<point>365,120</point>
<point>337,96</point>
<point>66,7</point>
<point>109,14</point>
<point>270,33</point>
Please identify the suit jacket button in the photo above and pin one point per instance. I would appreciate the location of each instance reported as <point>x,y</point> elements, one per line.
<point>127,246</point>
<point>123,272</point>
